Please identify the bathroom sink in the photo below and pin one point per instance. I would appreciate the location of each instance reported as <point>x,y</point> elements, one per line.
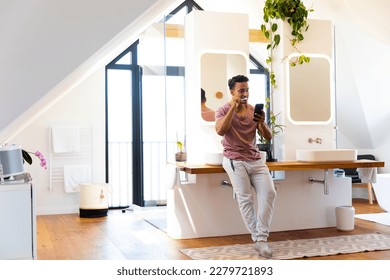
<point>326,155</point>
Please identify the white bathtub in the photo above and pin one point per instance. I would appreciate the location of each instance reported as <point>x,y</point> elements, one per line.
<point>382,191</point>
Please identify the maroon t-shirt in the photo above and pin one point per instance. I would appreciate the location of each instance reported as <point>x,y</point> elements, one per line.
<point>239,142</point>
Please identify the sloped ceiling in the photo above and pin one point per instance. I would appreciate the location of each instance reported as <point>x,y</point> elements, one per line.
<point>43,41</point>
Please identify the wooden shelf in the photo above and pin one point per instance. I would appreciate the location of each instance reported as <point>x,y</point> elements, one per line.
<point>177,31</point>
<point>284,166</point>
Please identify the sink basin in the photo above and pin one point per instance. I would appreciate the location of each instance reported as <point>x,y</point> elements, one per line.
<point>326,155</point>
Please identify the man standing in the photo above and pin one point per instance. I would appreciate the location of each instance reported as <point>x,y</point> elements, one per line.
<point>237,123</point>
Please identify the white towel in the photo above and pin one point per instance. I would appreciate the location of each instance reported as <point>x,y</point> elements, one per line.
<point>74,175</point>
<point>367,175</point>
<point>65,139</point>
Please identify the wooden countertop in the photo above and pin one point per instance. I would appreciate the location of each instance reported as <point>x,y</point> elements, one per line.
<point>284,165</point>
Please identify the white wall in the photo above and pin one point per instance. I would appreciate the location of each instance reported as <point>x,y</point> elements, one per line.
<point>362,93</point>
<point>360,40</point>
<point>83,107</point>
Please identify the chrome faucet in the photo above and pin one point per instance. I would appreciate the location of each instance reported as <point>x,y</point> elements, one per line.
<point>324,182</point>
<point>316,140</point>
<point>226,184</point>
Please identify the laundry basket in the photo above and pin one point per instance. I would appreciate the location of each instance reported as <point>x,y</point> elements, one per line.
<point>94,200</point>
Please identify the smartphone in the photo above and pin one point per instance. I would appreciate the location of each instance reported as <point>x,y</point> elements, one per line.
<point>258,108</point>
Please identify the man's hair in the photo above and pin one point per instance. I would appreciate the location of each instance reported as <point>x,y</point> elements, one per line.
<point>237,79</point>
<point>202,95</point>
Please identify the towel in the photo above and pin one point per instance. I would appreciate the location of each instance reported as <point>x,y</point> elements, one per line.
<point>74,175</point>
<point>65,139</point>
<point>367,175</point>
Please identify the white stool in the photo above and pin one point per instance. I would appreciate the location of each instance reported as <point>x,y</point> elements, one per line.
<point>345,218</point>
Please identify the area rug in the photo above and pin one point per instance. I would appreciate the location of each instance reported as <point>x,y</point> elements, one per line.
<point>380,218</point>
<point>293,249</point>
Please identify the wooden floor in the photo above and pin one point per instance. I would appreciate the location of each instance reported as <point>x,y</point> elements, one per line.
<point>126,235</point>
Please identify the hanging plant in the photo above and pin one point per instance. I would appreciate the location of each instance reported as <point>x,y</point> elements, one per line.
<point>295,14</point>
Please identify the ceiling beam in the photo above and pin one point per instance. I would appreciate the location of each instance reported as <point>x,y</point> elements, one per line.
<point>177,31</point>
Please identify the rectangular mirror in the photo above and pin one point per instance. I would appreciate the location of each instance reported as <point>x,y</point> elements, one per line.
<point>216,69</point>
<point>309,91</point>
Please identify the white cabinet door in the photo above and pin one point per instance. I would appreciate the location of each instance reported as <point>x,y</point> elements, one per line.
<point>16,222</point>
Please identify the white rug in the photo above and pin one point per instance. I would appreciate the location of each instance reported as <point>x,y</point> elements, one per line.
<point>380,218</point>
<point>292,249</point>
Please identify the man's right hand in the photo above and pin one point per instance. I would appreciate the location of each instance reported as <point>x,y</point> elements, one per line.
<point>236,100</point>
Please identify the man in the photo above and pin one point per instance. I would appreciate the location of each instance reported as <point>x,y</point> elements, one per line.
<point>237,123</point>
<point>207,113</point>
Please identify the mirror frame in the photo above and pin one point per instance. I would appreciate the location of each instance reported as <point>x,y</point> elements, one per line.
<point>289,95</point>
<point>225,89</point>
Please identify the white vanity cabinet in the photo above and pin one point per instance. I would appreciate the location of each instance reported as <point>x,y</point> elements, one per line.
<point>17,222</point>
<point>202,207</point>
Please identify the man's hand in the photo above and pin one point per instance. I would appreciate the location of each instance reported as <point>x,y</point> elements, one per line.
<point>260,118</point>
<point>236,100</point>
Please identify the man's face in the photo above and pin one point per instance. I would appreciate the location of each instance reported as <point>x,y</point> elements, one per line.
<point>241,90</point>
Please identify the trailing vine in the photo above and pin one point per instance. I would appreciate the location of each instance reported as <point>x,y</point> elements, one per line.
<point>295,14</point>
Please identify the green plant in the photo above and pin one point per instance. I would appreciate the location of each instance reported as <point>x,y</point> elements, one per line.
<point>180,146</point>
<point>295,14</point>
<point>181,155</point>
<point>276,128</point>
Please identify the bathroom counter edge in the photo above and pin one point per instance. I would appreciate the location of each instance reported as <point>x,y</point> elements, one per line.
<point>284,166</point>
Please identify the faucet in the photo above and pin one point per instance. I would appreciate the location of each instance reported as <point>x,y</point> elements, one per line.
<point>316,140</point>
<point>226,184</point>
<point>324,182</point>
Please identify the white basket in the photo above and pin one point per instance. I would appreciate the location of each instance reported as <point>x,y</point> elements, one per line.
<point>94,196</point>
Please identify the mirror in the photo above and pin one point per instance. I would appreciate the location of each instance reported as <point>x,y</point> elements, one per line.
<point>309,91</point>
<point>216,69</point>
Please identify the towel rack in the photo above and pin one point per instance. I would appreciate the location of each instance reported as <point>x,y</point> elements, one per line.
<point>59,160</point>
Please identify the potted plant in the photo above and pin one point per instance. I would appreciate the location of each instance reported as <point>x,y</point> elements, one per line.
<point>27,158</point>
<point>181,155</point>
